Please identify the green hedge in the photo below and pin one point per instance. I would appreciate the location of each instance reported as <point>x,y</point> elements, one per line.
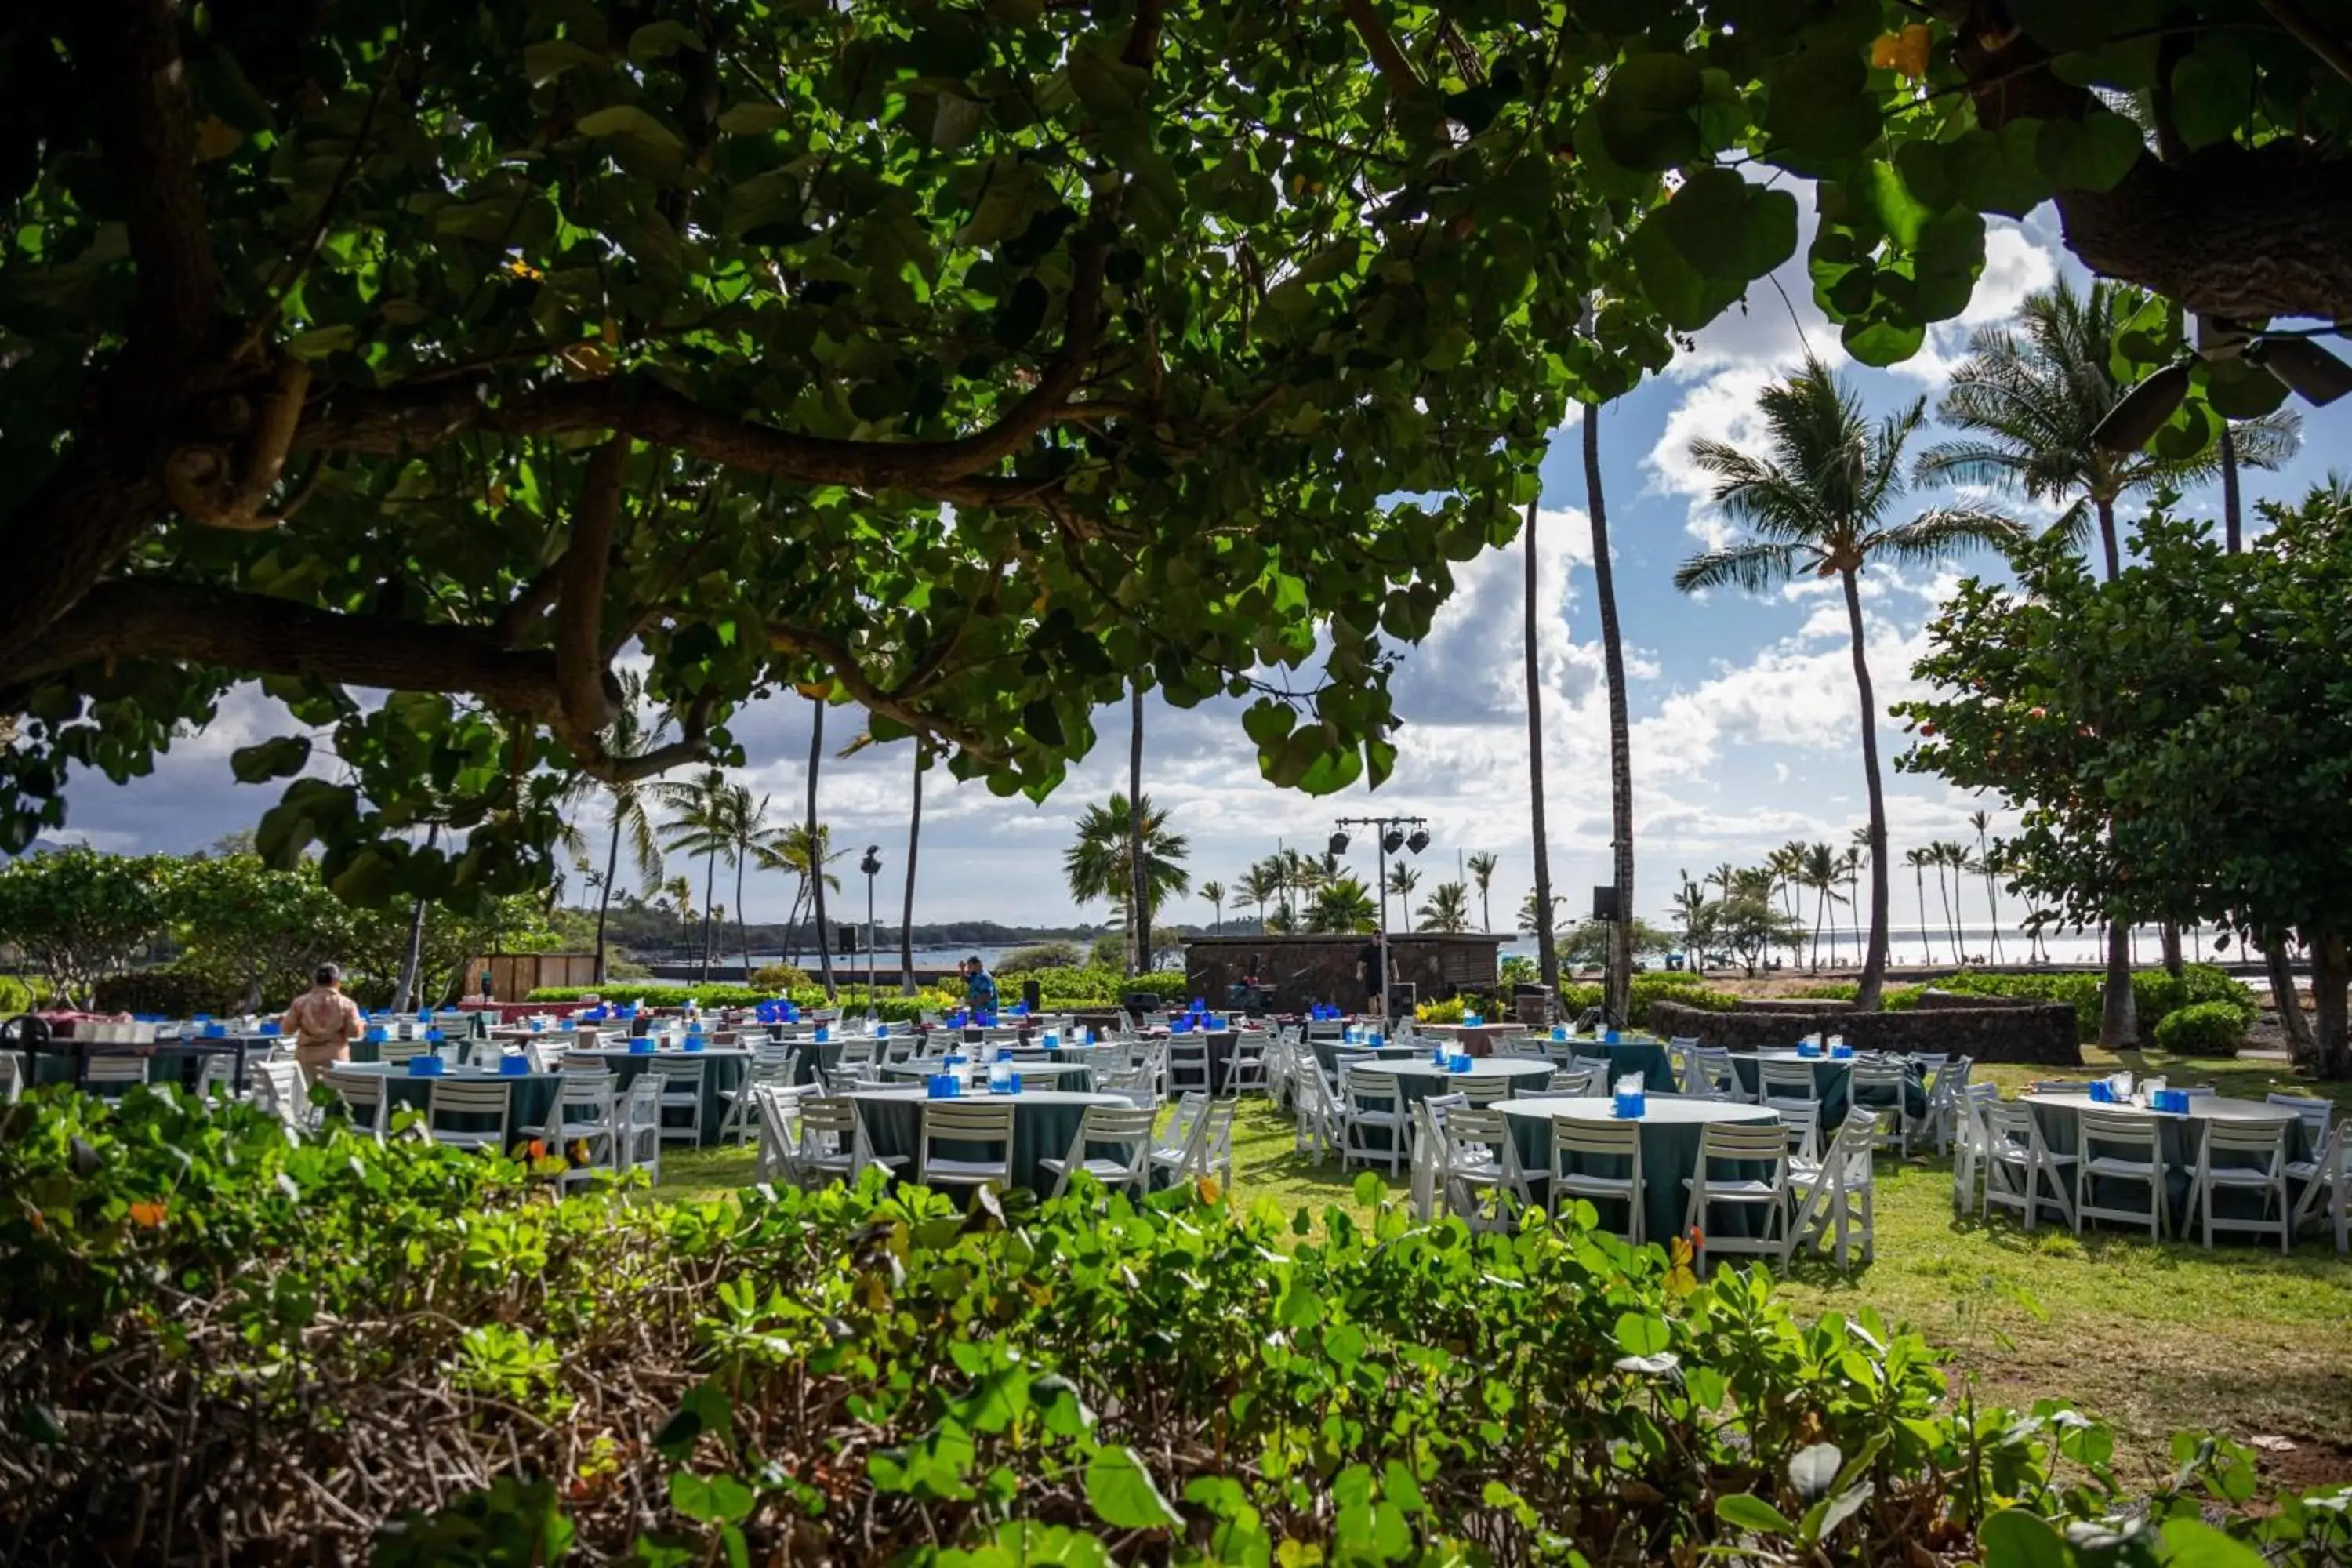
<point>2154,994</point>
<point>873,1376</point>
<point>1057,988</point>
<point>2203,1030</point>
<point>169,993</point>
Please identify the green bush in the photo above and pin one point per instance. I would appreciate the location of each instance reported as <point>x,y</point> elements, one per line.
<point>872,1375</point>
<point>1044,955</point>
<point>775,979</point>
<point>2156,996</point>
<point>890,1006</point>
<point>173,994</point>
<point>2203,1030</point>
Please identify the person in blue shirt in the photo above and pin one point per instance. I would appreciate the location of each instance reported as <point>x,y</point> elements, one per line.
<point>978,986</point>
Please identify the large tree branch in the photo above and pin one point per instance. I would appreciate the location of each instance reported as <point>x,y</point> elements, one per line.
<point>1380,44</point>
<point>254,633</point>
<point>410,419</point>
<point>584,683</point>
<point>811,642</point>
<point>2229,231</point>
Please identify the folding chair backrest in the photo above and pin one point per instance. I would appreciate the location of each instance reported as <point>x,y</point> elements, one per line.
<point>2313,1113</point>
<point>1786,1080</point>
<point>1581,1135</point>
<point>2266,1138</point>
<point>1574,1082</point>
<point>467,1097</point>
<point>2113,1129</point>
<point>1363,1084</point>
<point>114,1069</point>
<point>1801,1118</point>
<point>968,1122</point>
<point>1756,1142</point>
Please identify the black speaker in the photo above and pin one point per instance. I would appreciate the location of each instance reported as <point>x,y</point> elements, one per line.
<point>1605,903</point>
<point>1030,997</point>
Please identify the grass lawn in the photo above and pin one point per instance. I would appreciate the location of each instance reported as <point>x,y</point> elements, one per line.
<point>2154,1337</point>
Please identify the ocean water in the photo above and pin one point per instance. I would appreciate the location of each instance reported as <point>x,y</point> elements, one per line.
<point>1911,946</point>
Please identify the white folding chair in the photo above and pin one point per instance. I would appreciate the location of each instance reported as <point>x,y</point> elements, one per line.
<point>111,1077</point>
<point>1315,1113</point>
<point>1247,1072</point>
<point>1784,1082</point>
<point>1485,1091</point>
<point>1188,1064</point>
<point>399,1052</point>
<point>637,1130</point>
<point>1206,1147</point>
<point>582,1126</point>
<point>2314,1114</point>
<point>1710,1074</point>
<point>2326,1182</point>
<point>473,1098</point>
<point>2019,1166</point>
<point>1477,1160</point>
<point>1740,1143</point>
<point>2260,1167</point>
<point>1802,1119</point>
<point>1577,1083</point>
<point>1966,1120</point>
<point>1576,1139</point>
<point>1125,1129</point>
<point>2137,1136</point>
<point>1948,1079</point>
<point>680,1077</point>
<point>775,1116</point>
<point>1133,1085</point>
<point>1883,1086</point>
<point>833,1144</point>
<point>1370,1101</point>
<point>965,1121</point>
<point>1835,1195</point>
<point>771,1065</point>
<point>12,1078</point>
<point>277,1089</point>
<point>364,1096</point>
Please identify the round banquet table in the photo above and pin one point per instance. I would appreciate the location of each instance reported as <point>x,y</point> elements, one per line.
<point>2180,1137</point>
<point>177,1062</point>
<point>1331,1053</point>
<point>1056,1074</point>
<point>1832,1082</point>
<point>722,1074</point>
<point>1045,1121</point>
<point>1671,1129</point>
<point>1625,1056</point>
<point>1418,1079</point>
<point>532,1095</point>
<point>1474,1039</point>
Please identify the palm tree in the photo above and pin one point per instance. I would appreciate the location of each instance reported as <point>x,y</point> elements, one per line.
<point>790,851</point>
<point>1342,904</point>
<point>1547,945</point>
<point>1951,856</point>
<point>1787,865</point>
<point>1448,909</point>
<point>1259,884</point>
<point>630,735</point>
<point>1987,864</point>
<point>1140,899</point>
<point>1482,866</point>
<point>1537,916</point>
<point>750,820</point>
<point>2029,397</point>
<point>1918,860</point>
<point>1821,874</point>
<point>1850,873</point>
<point>1402,881</point>
<point>1215,894</point>
<point>914,842</point>
<point>1619,975</point>
<point>1095,864</point>
<point>1690,908</point>
<point>816,884</point>
<point>679,890</point>
<point>703,824</point>
<point>1817,505</point>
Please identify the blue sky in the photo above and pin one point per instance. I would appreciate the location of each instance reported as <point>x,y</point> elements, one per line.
<point>1744,709</point>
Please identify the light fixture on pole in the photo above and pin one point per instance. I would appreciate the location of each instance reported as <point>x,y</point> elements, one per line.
<point>2140,412</point>
<point>2309,370</point>
<point>1391,839</point>
<point>872,867</point>
<point>2318,377</point>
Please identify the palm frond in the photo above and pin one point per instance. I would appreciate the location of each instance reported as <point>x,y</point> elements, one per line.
<point>1934,537</point>
<point>1756,566</point>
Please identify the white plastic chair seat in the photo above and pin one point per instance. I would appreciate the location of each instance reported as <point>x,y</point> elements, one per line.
<point>2108,1165</point>
<point>942,1169</point>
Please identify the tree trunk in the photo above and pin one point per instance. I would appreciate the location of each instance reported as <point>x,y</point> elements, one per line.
<point>1620,734</point>
<point>1139,916</point>
<point>2170,933</point>
<point>1944,896</point>
<point>1547,949</point>
<point>1874,963</point>
<point>906,910</point>
<point>2232,517</point>
<point>2107,540</point>
<point>605,902</point>
<point>743,927</point>
<point>1919,879</point>
<point>816,848</point>
<point>2118,1011</point>
<point>413,955</point>
<point>2300,1043</point>
<point>709,887</point>
<point>2330,969</point>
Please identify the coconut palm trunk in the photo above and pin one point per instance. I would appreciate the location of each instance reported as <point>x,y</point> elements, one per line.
<point>1547,949</point>
<point>907,911</point>
<point>1919,877</point>
<point>1873,960</point>
<point>1139,904</point>
<point>816,866</point>
<point>743,926</point>
<point>709,885</point>
<point>411,957</point>
<point>605,894</point>
<point>1620,734</point>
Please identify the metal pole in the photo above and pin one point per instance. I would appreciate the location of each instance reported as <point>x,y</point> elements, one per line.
<point>1382,983</point>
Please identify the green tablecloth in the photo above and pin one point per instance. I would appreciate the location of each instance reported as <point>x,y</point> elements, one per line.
<point>1329,1053</point>
<point>531,1096</point>
<point>1419,1079</point>
<point>1051,1075</point>
<point>1044,1122</point>
<point>179,1063</point>
<point>2181,1138</point>
<point>1832,1082</point>
<point>1623,1057</point>
<point>722,1073</point>
<point>1671,1129</point>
